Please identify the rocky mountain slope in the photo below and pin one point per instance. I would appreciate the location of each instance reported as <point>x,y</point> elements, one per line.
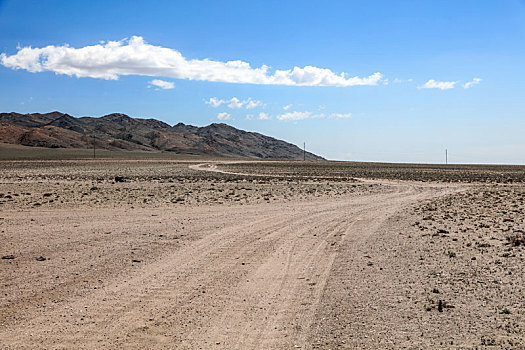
<point>121,132</point>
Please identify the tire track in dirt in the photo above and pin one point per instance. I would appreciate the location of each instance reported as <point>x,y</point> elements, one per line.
<point>212,167</point>
<point>255,283</point>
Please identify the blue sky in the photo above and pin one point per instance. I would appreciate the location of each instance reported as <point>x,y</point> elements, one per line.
<point>429,75</point>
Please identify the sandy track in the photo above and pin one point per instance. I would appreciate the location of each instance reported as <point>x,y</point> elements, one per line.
<point>241,277</point>
<point>213,167</point>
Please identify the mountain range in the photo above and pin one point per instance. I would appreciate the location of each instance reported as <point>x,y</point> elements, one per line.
<point>120,132</point>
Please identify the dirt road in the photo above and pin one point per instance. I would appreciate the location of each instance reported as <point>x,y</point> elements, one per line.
<point>226,276</point>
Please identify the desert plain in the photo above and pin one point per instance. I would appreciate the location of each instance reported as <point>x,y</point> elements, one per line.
<point>191,253</point>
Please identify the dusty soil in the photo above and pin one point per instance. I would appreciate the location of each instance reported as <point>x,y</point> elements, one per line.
<point>176,254</point>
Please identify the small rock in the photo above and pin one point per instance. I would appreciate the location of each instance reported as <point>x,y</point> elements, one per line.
<point>41,258</point>
<point>121,179</point>
<point>440,306</point>
<point>8,257</point>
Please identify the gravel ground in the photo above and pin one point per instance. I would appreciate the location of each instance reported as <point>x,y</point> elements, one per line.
<point>170,254</point>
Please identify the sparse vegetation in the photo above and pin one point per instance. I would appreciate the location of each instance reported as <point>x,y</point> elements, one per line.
<point>444,254</point>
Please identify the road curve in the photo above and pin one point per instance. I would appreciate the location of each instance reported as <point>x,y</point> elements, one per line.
<point>254,277</point>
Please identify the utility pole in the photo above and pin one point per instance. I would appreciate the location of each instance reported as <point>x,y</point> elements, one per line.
<point>93,146</point>
<point>446,156</point>
<point>304,151</point>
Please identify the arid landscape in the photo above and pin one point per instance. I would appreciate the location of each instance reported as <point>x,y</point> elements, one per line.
<point>266,175</point>
<point>201,253</point>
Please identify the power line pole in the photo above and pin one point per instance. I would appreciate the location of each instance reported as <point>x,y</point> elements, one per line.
<point>304,151</point>
<point>446,156</point>
<point>93,146</point>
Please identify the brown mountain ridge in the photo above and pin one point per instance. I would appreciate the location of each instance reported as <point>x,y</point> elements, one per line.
<point>120,132</point>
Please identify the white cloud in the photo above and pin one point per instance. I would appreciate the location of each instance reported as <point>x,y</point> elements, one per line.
<point>341,115</point>
<point>234,102</point>
<point>162,84</point>
<point>398,81</point>
<point>287,107</point>
<point>442,85</point>
<point>471,83</point>
<point>264,116</point>
<point>251,104</point>
<point>214,102</point>
<point>294,116</point>
<point>261,116</point>
<point>224,116</point>
<point>112,59</point>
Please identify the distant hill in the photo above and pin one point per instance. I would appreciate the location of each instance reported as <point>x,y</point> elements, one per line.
<point>121,132</point>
